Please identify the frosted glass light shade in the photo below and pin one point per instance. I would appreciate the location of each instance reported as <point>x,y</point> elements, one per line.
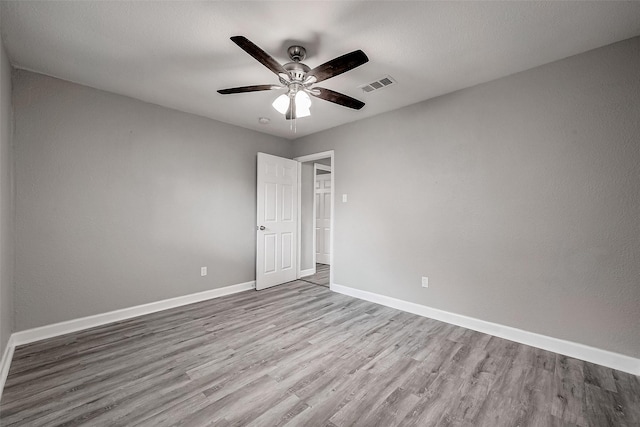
<point>303,103</point>
<point>281,104</point>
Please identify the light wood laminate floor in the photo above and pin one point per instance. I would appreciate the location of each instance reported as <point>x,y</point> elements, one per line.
<point>321,276</point>
<point>300,355</point>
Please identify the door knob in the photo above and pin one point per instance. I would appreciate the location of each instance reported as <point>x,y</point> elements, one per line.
<point>261,228</point>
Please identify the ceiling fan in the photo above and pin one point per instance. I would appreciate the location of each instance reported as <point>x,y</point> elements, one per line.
<point>298,79</point>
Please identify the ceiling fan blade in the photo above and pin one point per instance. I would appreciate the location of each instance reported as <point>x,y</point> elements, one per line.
<point>291,112</point>
<point>260,55</point>
<point>338,98</point>
<point>339,65</point>
<point>244,89</point>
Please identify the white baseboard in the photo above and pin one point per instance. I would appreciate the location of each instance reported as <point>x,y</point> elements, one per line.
<point>579,351</point>
<point>308,272</point>
<point>49,331</point>
<point>5,364</point>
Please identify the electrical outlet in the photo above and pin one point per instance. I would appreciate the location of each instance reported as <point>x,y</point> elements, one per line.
<point>203,271</point>
<point>425,282</point>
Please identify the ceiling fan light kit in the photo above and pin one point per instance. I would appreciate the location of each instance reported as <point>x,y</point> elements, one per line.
<point>301,101</point>
<point>298,78</point>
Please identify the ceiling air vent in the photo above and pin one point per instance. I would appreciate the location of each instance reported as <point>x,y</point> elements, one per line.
<point>378,84</point>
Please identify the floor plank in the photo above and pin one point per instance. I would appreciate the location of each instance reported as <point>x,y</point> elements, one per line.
<point>299,354</point>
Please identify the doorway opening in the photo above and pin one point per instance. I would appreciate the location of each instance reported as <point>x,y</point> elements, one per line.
<point>316,177</point>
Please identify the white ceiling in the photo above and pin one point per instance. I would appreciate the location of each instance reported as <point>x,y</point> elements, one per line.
<point>177,54</point>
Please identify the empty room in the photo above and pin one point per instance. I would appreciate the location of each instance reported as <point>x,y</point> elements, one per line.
<point>320,213</point>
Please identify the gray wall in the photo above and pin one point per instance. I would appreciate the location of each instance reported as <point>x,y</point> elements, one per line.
<point>6,202</point>
<point>119,202</point>
<point>519,198</point>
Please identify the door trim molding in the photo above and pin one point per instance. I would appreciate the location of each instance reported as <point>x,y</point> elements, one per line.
<point>595,355</point>
<point>309,158</point>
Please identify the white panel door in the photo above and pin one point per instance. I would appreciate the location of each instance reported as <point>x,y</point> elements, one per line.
<point>277,204</point>
<point>323,218</point>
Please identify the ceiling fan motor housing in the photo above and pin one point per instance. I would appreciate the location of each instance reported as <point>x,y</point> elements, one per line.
<point>297,70</point>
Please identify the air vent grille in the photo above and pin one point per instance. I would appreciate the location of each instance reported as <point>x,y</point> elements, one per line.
<point>378,84</point>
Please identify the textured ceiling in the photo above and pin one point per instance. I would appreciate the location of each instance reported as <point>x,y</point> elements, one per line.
<point>177,54</point>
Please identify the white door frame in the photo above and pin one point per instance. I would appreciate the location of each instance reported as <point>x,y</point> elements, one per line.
<point>316,168</point>
<point>309,158</point>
